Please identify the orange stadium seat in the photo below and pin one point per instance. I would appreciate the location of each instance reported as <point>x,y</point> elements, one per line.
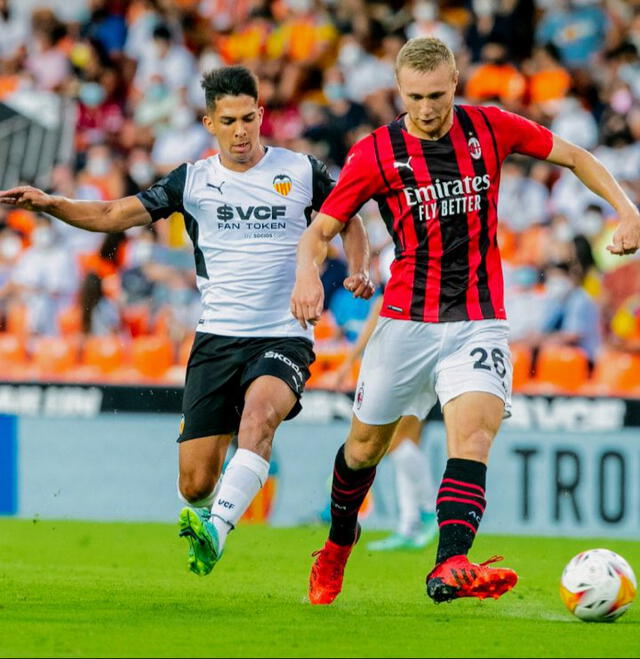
<point>105,353</point>
<point>560,369</point>
<point>185,350</point>
<point>54,355</point>
<point>327,361</point>
<point>12,355</point>
<point>326,327</point>
<point>70,321</point>
<point>521,359</point>
<point>18,319</point>
<point>615,373</point>
<point>152,356</point>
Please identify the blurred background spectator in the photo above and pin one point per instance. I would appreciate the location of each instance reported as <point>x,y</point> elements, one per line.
<point>129,71</point>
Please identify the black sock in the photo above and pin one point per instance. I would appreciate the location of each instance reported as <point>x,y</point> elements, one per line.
<point>460,506</point>
<point>348,490</point>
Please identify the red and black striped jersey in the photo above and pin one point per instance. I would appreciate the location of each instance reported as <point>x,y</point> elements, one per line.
<point>439,199</point>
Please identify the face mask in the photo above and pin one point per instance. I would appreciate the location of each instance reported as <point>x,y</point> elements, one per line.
<point>91,94</point>
<point>562,233</point>
<point>557,288</point>
<point>424,11</point>
<point>349,55</point>
<point>142,252</point>
<point>98,166</point>
<point>181,119</point>
<point>525,277</point>
<point>42,237</point>
<point>141,172</point>
<point>157,92</point>
<point>334,91</point>
<point>591,223</point>
<point>621,101</point>
<point>10,248</point>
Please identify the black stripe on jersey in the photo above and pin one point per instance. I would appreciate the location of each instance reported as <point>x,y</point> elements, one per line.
<point>422,247</point>
<point>322,182</point>
<point>193,229</point>
<point>321,185</point>
<point>480,169</point>
<point>454,264</point>
<point>165,197</point>
<point>388,218</point>
<point>380,167</point>
<point>493,137</point>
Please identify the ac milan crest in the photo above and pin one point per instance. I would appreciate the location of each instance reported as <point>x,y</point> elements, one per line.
<point>474,148</point>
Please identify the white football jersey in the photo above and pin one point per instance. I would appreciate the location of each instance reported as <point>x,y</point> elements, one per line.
<point>245,228</point>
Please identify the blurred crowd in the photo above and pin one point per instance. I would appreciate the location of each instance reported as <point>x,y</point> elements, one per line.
<point>132,68</point>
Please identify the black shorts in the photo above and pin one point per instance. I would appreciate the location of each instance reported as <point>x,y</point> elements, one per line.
<point>220,369</point>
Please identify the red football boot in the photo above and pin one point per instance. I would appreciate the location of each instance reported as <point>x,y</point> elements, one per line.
<point>327,572</point>
<point>457,577</point>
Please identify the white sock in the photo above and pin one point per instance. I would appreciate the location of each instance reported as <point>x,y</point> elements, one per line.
<point>245,474</point>
<point>414,486</point>
<point>205,502</point>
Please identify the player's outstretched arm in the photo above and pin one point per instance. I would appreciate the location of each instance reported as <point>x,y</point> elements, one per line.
<point>106,216</point>
<point>626,239</point>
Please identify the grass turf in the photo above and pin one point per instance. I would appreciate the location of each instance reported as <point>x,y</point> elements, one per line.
<point>77,589</point>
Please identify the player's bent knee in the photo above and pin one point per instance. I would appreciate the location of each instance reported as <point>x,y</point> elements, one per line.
<point>196,488</point>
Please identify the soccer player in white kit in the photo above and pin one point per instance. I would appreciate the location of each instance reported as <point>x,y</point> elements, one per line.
<point>245,210</point>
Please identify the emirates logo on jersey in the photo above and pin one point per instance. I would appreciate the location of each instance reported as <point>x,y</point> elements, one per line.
<point>474,148</point>
<point>282,184</point>
<point>360,396</point>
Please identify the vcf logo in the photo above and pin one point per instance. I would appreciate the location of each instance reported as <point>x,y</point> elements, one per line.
<point>474,148</point>
<point>282,184</point>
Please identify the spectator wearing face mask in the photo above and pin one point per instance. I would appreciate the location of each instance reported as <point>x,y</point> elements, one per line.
<point>45,279</point>
<point>100,115</point>
<point>524,302</point>
<point>184,139</point>
<point>101,174</point>
<point>571,317</point>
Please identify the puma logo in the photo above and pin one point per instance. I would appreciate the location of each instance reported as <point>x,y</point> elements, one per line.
<point>398,163</point>
<point>217,187</point>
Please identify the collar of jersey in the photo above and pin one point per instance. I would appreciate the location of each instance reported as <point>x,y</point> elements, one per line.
<point>267,153</point>
<point>400,121</point>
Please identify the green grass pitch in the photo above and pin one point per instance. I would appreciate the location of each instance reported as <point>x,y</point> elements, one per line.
<point>76,589</point>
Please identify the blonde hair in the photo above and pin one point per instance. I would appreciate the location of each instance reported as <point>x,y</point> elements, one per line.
<point>425,54</point>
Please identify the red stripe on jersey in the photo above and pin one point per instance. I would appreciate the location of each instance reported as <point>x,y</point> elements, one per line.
<point>433,263</point>
<point>461,150</point>
<point>487,139</point>
<point>398,292</point>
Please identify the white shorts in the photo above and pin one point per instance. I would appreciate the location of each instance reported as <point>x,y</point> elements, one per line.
<point>408,365</point>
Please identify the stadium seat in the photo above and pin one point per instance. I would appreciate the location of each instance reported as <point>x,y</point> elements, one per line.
<point>521,359</point>
<point>152,356</point>
<point>327,361</point>
<point>136,320</point>
<point>560,369</point>
<point>185,350</point>
<point>105,353</point>
<point>70,321</point>
<point>326,327</point>
<point>12,355</point>
<point>615,373</point>
<point>54,356</point>
<point>18,319</point>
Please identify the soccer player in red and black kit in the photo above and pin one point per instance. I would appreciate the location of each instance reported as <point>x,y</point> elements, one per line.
<point>443,332</point>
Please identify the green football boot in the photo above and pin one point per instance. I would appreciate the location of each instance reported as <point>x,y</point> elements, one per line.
<point>204,552</point>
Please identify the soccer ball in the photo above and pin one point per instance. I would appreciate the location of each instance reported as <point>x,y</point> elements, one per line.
<point>598,585</point>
